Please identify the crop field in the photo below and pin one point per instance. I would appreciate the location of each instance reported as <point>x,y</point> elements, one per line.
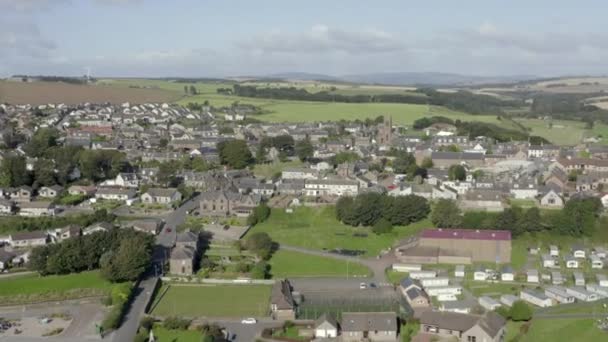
<point>213,301</point>
<point>37,93</point>
<point>318,228</point>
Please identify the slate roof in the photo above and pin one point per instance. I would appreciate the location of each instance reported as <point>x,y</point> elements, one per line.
<point>281,295</point>
<point>369,321</point>
<point>466,234</point>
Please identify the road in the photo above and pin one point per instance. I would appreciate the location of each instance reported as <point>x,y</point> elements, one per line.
<point>246,332</point>
<point>175,219</point>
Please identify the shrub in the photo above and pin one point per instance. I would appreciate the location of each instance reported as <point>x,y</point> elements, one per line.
<point>147,322</point>
<point>382,227</point>
<point>176,323</point>
<point>521,311</point>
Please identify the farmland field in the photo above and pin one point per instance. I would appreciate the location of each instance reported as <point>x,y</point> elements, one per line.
<point>561,132</point>
<point>557,330</point>
<point>38,93</point>
<point>287,264</point>
<point>211,301</point>
<point>318,228</point>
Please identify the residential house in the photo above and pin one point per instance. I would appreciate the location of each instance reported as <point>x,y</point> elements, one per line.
<point>39,208</point>
<point>331,187</point>
<point>82,190</point>
<point>115,194</point>
<point>150,226</point>
<point>97,227</point>
<point>370,326</point>
<point>23,193</point>
<point>299,173</point>
<point>413,292</point>
<point>444,160</point>
<point>228,203</point>
<point>185,254</point>
<point>282,303</point>
<point>29,239</point>
<point>483,199</point>
<point>127,180</point>
<point>536,298</point>
<point>464,327</point>
<point>326,326</point>
<point>50,191</point>
<point>6,258</point>
<point>68,232</point>
<point>559,294</point>
<point>552,199</point>
<point>6,207</point>
<point>161,196</point>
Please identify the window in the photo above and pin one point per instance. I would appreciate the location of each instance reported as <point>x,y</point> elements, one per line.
<point>471,338</point>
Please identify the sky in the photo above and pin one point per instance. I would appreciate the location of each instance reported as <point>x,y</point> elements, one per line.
<point>204,38</point>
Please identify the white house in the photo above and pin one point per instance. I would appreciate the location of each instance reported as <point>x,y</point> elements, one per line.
<point>97,227</point>
<point>488,303</point>
<point>459,271</point>
<point>536,298</point>
<point>432,282</point>
<point>39,208</point>
<point>532,276</point>
<point>480,275</point>
<point>580,293</point>
<point>326,327</point>
<point>331,187</point>
<point>50,191</point>
<point>552,200</point>
<point>602,280</point>
<point>423,274</point>
<point>559,294</point>
<point>557,278</point>
<point>571,262</point>
<point>161,196</point>
<point>115,194</point>
<point>596,262</point>
<point>548,260</point>
<point>579,278</point>
<point>299,173</point>
<point>553,251</point>
<point>127,180</point>
<point>507,274</point>
<point>508,299</point>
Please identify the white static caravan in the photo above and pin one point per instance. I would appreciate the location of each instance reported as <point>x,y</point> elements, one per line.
<point>571,262</point>
<point>548,261</point>
<point>443,290</point>
<point>432,282</point>
<point>480,275</point>
<point>553,251</point>
<point>532,276</point>
<point>508,299</point>
<point>536,298</point>
<point>459,271</point>
<point>507,274</point>
<point>580,293</point>
<point>423,274</point>
<point>601,252</point>
<point>559,294</point>
<point>602,280</point>
<point>557,278</point>
<point>447,298</point>
<point>579,278</point>
<point>407,267</point>
<point>596,262</point>
<point>463,307</point>
<point>488,303</point>
<point>599,290</point>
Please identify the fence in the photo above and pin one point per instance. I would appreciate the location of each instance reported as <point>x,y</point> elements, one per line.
<point>195,280</point>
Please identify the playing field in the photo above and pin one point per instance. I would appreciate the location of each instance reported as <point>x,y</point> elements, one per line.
<point>288,264</point>
<point>318,228</point>
<point>557,330</point>
<point>233,301</point>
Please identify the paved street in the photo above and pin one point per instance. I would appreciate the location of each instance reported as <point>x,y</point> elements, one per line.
<point>246,332</point>
<point>128,329</point>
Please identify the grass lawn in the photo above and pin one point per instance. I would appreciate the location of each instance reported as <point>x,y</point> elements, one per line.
<point>288,264</point>
<point>213,301</point>
<point>33,288</point>
<point>562,132</point>
<point>558,330</point>
<point>579,308</point>
<point>268,170</point>
<point>481,288</point>
<point>318,228</point>
<point>165,335</point>
<point>395,277</point>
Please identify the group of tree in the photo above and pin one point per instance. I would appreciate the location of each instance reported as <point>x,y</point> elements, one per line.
<point>405,163</point>
<point>284,144</point>
<point>29,224</point>
<point>520,311</point>
<point>380,211</point>
<point>190,90</point>
<point>304,149</point>
<point>259,214</point>
<point>425,122</point>
<point>235,153</point>
<point>457,172</point>
<point>579,217</point>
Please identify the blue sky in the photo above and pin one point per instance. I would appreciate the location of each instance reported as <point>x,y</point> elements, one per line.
<point>202,38</point>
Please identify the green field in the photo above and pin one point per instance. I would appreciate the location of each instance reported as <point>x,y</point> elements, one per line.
<point>268,170</point>
<point>561,132</point>
<point>557,330</point>
<point>318,228</point>
<point>213,301</point>
<point>288,264</point>
<point>165,335</point>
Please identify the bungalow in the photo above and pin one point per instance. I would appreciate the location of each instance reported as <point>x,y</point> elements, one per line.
<point>282,303</point>
<point>50,191</point>
<point>326,326</point>
<point>507,274</point>
<point>151,226</point>
<point>488,303</point>
<point>97,227</point>
<point>508,299</point>
<point>548,261</point>
<point>82,190</point>
<point>571,262</point>
<point>40,208</point>
<point>596,262</point>
<point>579,278</point>
<point>29,239</point>
<point>371,326</point>
<point>23,193</point>
<point>536,298</point>
<point>532,276</point>
<point>559,294</point>
<point>5,259</point>
<point>553,251</point>
<point>557,278</point>
<point>463,327</point>
<point>580,293</point>
<point>578,251</point>
<point>423,274</point>
<point>602,280</point>
<point>459,271</point>
<point>552,200</point>
<point>433,282</point>
<point>480,274</point>
<point>115,194</point>
<point>161,196</point>
<point>69,231</point>
<point>6,207</point>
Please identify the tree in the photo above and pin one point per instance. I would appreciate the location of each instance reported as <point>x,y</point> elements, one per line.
<point>186,89</point>
<point>260,270</point>
<point>521,311</point>
<point>457,172</point>
<point>446,214</point>
<point>530,221</point>
<point>578,217</point>
<point>383,226</point>
<point>259,214</point>
<point>129,261</point>
<point>235,153</point>
<point>260,244</point>
<point>41,141</point>
<point>346,157</point>
<point>427,163</point>
<point>13,172</point>
<point>193,90</point>
<point>44,174</point>
<point>507,220</point>
<point>403,161</point>
<point>304,149</point>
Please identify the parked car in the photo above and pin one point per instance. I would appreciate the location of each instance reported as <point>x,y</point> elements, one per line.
<point>363,286</point>
<point>249,320</point>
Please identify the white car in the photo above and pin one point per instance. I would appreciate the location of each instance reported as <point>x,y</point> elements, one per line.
<point>363,286</point>
<point>249,321</point>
